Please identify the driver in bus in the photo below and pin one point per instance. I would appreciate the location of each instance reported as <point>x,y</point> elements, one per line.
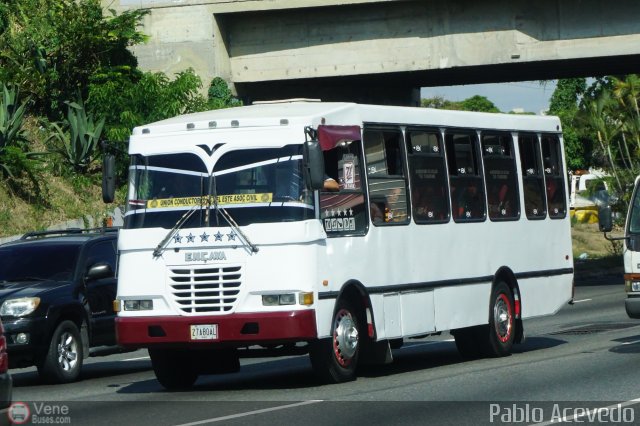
<point>330,184</point>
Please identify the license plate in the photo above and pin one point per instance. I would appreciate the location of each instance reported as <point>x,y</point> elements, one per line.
<point>204,332</point>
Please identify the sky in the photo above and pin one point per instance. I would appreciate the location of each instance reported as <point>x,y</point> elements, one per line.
<point>530,96</point>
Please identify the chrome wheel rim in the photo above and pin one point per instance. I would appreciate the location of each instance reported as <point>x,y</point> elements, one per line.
<point>345,338</point>
<point>67,352</point>
<point>503,318</point>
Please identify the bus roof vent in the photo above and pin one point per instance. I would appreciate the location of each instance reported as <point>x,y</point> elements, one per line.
<point>145,131</point>
<point>191,126</point>
<point>213,124</point>
<point>235,123</point>
<point>284,122</point>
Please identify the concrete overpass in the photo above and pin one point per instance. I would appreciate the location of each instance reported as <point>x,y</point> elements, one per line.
<point>383,51</point>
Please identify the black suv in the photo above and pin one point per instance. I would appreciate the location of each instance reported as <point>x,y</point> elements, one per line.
<point>56,299</point>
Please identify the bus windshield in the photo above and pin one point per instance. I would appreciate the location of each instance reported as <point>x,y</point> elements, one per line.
<point>253,185</point>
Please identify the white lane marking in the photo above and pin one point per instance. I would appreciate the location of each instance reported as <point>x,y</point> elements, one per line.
<point>631,343</point>
<point>251,413</point>
<point>589,413</point>
<point>136,359</point>
<point>580,301</point>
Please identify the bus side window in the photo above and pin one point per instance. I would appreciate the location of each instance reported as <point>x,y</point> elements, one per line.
<point>343,211</point>
<point>554,176</point>
<point>535,205</point>
<point>387,178</point>
<point>500,176</point>
<point>429,191</point>
<point>467,188</point>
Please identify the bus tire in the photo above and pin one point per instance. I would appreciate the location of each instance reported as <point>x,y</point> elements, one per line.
<point>63,361</point>
<point>173,368</point>
<point>335,360</point>
<point>502,323</point>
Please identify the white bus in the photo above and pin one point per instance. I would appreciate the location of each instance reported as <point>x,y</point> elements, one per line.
<point>444,220</point>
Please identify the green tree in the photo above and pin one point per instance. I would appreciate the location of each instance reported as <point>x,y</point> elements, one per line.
<point>474,103</point>
<point>627,91</point>
<point>440,103</point>
<point>621,111</point>
<point>52,48</point>
<point>12,136</point>
<point>564,103</point>
<point>78,137</point>
<point>479,103</point>
<point>604,128</point>
<point>130,101</point>
<point>219,95</point>
<point>16,161</point>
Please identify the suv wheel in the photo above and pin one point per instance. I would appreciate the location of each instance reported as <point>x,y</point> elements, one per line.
<point>63,360</point>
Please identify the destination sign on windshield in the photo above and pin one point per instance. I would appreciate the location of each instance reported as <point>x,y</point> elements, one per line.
<point>222,200</point>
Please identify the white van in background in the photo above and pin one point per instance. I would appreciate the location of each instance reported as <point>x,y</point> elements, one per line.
<point>587,191</point>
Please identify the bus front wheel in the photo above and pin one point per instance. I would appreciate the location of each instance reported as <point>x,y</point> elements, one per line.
<point>335,359</point>
<point>173,368</point>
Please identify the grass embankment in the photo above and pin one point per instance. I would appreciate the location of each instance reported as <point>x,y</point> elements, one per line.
<point>60,200</point>
<point>54,195</point>
<point>592,253</point>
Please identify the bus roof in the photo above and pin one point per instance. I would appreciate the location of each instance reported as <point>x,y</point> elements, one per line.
<point>306,113</point>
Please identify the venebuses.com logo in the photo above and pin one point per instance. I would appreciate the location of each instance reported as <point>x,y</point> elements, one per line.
<point>20,413</point>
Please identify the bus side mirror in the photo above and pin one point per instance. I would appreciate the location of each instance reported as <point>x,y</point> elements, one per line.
<point>313,164</point>
<point>605,219</point>
<point>108,178</point>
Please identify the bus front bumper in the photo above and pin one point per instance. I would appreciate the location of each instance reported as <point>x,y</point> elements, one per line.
<point>234,329</point>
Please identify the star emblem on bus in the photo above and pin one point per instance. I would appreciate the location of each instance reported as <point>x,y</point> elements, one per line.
<point>231,236</point>
<point>204,237</point>
<point>177,238</point>
<point>191,238</point>
<point>218,236</point>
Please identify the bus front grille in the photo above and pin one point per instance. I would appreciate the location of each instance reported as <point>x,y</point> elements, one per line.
<point>205,288</point>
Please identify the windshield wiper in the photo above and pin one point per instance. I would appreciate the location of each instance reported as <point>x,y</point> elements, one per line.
<point>232,223</point>
<point>179,224</point>
<point>226,216</point>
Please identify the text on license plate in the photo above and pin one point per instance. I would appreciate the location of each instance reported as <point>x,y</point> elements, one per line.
<point>204,332</point>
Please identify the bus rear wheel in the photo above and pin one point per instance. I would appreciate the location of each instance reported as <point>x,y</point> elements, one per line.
<point>173,368</point>
<point>496,338</point>
<point>335,360</point>
<point>501,321</point>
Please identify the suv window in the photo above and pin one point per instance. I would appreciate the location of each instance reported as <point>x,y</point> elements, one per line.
<point>40,261</point>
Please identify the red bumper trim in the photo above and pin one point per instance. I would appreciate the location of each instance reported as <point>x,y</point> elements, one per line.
<point>245,328</point>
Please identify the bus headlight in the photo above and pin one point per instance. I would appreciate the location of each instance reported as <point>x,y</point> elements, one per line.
<point>270,299</point>
<point>279,299</point>
<point>635,285</point>
<point>287,299</point>
<point>138,305</point>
